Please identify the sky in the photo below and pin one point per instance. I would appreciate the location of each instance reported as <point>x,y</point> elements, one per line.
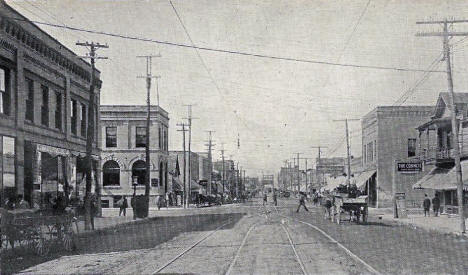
<point>276,107</point>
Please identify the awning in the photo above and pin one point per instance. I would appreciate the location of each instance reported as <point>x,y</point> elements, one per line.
<point>333,182</point>
<point>443,179</point>
<point>195,186</point>
<point>363,177</point>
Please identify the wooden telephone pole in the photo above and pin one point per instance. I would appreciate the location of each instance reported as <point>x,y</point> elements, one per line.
<point>319,151</point>
<point>446,34</point>
<point>183,130</point>
<point>148,78</point>
<point>93,47</point>
<point>348,173</point>
<point>210,145</point>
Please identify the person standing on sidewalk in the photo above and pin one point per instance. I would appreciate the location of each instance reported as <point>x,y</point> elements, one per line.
<point>265,198</point>
<point>436,205</point>
<point>123,206</point>
<point>426,205</point>
<point>302,199</point>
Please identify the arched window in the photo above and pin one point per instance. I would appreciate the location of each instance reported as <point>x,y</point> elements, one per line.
<point>111,173</point>
<point>139,171</point>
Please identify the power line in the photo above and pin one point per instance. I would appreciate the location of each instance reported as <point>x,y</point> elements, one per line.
<point>250,54</point>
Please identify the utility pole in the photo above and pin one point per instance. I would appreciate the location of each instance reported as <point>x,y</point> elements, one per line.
<point>148,78</point>
<point>210,160</point>
<point>93,47</point>
<point>189,118</point>
<point>224,171</point>
<point>183,130</point>
<point>446,34</point>
<point>298,173</point>
<point>348,173</point>
<point>237,180</point>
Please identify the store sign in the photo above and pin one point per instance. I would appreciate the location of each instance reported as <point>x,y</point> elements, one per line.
<point>409,167</point>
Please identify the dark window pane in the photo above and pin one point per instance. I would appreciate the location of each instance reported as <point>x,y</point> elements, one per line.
<point>111,136</point>
<point>83,120</point>
<point>30,101</point>
<point>140,138</point>
<point>73,116</point>
<point>45,106</point>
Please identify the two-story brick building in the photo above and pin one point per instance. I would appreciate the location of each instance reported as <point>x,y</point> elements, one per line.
<point>44,103</point>
<point>123,133</point>
<point>389,133</point>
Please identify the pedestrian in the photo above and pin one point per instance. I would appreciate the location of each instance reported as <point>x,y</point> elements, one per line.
<point>302,199</point>
<point>426,205</point>
<point>275,198</point>
<point>436,205</point>
<point>265,198</point>
<point>167,200</point>
<point>200,194</point>
<point>93,204</point>
<point>328,205</point>
<point>21,203</point>
<point>123,206</point>
<point>159,202</point>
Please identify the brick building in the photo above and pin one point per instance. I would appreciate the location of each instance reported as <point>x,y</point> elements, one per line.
<point>44,99</point>
<point>123,132</point>
<point>389,133</point>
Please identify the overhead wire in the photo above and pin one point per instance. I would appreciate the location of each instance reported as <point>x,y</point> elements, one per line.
<point>226,51</point>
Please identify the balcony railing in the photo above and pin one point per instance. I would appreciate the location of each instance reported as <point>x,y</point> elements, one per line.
<point>434,154</point>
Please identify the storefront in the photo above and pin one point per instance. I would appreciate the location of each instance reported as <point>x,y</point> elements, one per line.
<point>443,182</point>
<point>52,171</point>
<point>7,167</point>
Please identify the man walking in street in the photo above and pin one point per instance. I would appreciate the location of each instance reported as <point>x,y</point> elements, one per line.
<point>275,198</point>
<point>426,205</point>
<point>302,202</point>
<point>436,205</point>
<point>265,198</point>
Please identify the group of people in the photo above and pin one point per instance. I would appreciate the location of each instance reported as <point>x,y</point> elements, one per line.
<point>16,203</point>
<point>435,205</point>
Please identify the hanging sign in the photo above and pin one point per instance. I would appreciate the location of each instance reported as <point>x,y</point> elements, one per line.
<point>409,167</point>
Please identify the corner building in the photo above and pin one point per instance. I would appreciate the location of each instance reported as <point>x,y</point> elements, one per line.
<point>123,132</point>
<point>44,110</point>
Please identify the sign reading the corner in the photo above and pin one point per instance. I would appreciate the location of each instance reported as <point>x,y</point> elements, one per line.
<point>409,167</point>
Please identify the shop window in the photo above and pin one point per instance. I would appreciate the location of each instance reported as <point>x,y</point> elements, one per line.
<point>83,120</point>
<point>58,111</point>
<point>7,166</point>
<point>411,147</point>
<point>111,136</point>
<point>73,116</point>
<point>45,106</point>
<point>111,173</point>
<point>4,92</point>
<point>30,101</point>
<point>140,137</point>
<point>139,171</point>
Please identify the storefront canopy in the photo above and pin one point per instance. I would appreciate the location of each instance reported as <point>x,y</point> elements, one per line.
<point>443,179</point>
<point>362,178</point>
<point>333,182</point>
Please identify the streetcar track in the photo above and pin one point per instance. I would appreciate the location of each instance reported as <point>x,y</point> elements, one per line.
<point>299,260</point>
<point>231,266</point>
<point>332,240</point>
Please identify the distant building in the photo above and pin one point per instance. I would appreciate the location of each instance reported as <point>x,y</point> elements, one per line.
<point>123,135</point>
<point>44,111</point>
<point>388,134</point>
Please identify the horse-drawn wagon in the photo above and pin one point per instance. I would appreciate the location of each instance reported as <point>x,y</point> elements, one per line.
<point>355,207</point>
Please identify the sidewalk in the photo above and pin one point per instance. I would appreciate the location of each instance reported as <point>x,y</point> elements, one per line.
<point>110,216</point>
<point>442,224</point>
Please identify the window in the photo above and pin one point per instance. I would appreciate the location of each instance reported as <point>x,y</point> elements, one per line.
<point>58,111</point>
<point>83,120</point>
<point>370,151</point>
<point>30,101</point>
<point>140,138</point>
<point>165,140</point>
<point>7,165</point>
<point>139,171</point>
<point>111,136</point>
<point>364,153</point>
<point>45,106</point>
<point>4,92</point>
<point>411,147</point>
<point>160,138</point>
<point>73,116</point>
<point>111,173</point>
